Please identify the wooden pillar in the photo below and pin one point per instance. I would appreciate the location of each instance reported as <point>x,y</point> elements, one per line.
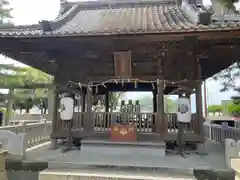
<point>107,117</point>
<point>154,110</point>
<point>160,107</point>
<point>160,94</point>
<point>51,99</point>
<point>107,102</point>
<point>89,120</point>
<point>83,102</point>
<point>199,106</point>
<point>53,114</point>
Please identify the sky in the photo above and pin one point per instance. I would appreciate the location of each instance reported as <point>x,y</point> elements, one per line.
<point>32,11</point>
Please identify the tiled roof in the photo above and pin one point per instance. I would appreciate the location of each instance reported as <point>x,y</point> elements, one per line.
<point>128,18</point>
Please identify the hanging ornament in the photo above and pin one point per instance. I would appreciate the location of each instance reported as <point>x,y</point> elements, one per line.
<point>96,89</point>
<point>128,80</point>
<point>135,84</point>
<point>80,85</point>
<point>122,82</point>
<point>90,87</point>
<point>104,85</point>
<point>153,87</point>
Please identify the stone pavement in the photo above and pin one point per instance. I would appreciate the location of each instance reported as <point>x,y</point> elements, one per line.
<point>122,159</point>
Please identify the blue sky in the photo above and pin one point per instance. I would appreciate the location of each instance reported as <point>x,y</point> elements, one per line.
<point>33,11</point>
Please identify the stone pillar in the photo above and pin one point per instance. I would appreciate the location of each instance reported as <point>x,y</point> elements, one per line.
<point>3,174</point>
<point>235,165</point>
<point>9,108</point>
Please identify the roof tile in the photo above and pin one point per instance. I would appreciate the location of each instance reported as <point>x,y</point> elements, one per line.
<point>128,19</point>
<point>131,19</point>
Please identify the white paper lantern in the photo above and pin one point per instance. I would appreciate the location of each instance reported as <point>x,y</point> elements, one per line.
<point>66,108</point>
<point>184,110</point>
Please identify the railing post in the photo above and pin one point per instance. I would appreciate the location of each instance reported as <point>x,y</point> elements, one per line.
<point>224,128</point>
<point>210,130</point>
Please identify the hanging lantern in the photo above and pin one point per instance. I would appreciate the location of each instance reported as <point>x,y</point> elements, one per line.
<point>66,108</point>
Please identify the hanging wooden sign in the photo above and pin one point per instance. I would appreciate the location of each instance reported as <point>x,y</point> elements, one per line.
<point>123,63</point>
<point>120,132</point>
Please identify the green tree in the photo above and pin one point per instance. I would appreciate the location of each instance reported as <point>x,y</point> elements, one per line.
<point>5,11</point>
<point>228,78</point>
<point>234,107</point>
<point>19,81</point>
<point>229,4</point>
<point>215,109</point>
<point>31,97</point>
<point>114,98</point>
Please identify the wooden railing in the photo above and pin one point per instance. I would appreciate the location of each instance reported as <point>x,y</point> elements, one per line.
<point>144,122</point>
<point>171,118</point>
<point>219,133</point>
<point>36,133</point>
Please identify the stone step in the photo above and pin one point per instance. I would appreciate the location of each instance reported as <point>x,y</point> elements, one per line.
<point>124,148</point>
<point>101,174</point>
<point>160,144</point>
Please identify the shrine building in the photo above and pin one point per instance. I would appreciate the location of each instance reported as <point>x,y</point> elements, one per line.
<point>97,47</point>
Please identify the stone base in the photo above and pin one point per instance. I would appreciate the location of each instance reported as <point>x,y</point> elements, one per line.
<point>125,148</point>
<point>106,175</point>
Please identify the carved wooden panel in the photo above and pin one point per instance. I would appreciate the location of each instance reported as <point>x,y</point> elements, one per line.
<point>123,64</point>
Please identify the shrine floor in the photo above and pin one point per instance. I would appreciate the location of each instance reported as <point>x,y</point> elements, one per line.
<point>107,157</point>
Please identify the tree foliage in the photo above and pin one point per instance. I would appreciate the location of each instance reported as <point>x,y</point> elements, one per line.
<point>13,76</point>
<point>229,78</point>
<point>229,3</point>
<point>5,11</point>
<point>215,108</point>
<point>234,109</point>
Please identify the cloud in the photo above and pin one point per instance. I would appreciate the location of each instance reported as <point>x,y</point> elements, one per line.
<point>32,11</point>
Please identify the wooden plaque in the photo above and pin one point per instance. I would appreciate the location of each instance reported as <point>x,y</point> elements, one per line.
<point>125,133</point>
<point>123,63</point>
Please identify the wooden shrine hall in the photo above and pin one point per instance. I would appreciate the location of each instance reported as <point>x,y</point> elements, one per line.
<point>161,46</point>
